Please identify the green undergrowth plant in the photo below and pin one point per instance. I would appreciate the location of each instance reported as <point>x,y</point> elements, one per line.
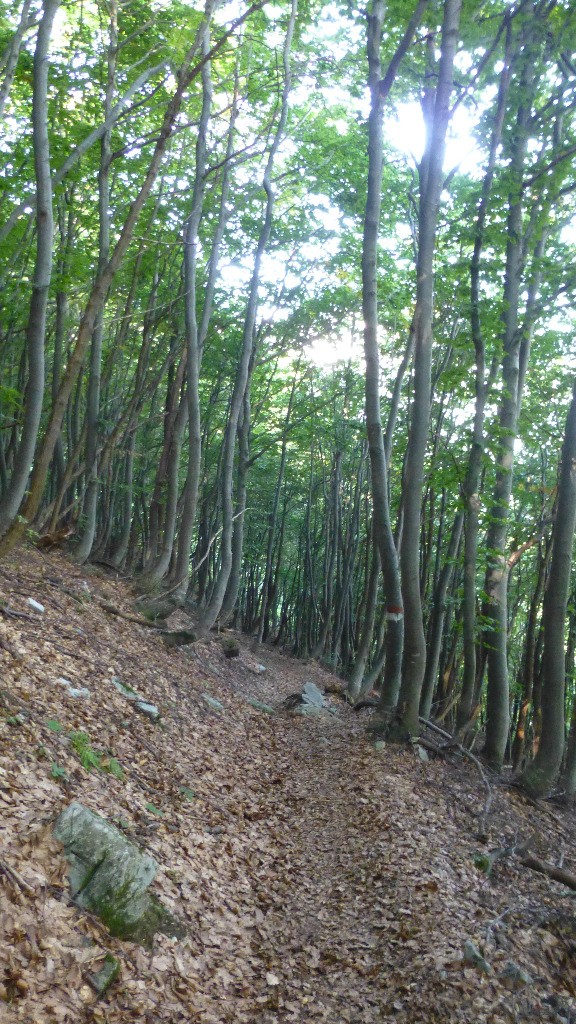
<point>90,758</point>
<point>58,772</point>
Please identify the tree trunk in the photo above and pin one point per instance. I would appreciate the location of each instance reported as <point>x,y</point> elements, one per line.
<point>382,531</point>
<point>36,329</point>
<point>437,114</point>
<point>84,548</point>
<point>438,617</point>
<point>541,774</point>
<point>482,390</point>
<point>212,610</point>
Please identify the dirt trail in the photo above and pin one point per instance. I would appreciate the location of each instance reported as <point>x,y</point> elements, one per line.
<point>320,879</point>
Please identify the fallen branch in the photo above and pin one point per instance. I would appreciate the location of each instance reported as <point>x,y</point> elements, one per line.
<point>488,860</point>
<point>436,728</point>
<point>514,784</point>
<point>13,875</point>
<point>13,614</point>
<point>453,744</point>
<point>9,649</point>
<point>112,610</point>
<point>544,868</point>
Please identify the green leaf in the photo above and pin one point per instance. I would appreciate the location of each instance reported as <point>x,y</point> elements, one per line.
<point>57,772</point>
<point>154,810</point>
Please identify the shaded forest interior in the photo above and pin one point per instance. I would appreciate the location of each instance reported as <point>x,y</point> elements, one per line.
<point>197,205</point>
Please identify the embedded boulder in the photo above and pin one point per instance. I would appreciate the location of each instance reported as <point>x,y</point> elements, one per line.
<point>110,876</point>
<point>310,701</point>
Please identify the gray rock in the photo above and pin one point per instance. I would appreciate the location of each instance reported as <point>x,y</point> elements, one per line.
<point>144,706</point>
<point>260,706</point>
<point>309,709</point>
<point>380,745</point>
<point>108,873</point>
<point>312,695</point>
<point>213,702</point>
<point>126,691</point>
<point>110,876</point>
<point>150,710</point>
<point>514,976</point>
<point>74,691</point>
<point>106,976</point>
<point>472,955</point>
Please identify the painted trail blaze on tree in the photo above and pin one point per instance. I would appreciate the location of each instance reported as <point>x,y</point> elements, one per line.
<point>394,613</point>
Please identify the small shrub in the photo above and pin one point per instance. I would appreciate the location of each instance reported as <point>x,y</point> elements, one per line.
<point>113,766</point>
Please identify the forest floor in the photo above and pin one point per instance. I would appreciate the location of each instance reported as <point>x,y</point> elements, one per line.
<point>320,878</point>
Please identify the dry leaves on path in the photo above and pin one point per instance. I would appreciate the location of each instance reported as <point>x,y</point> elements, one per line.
<point>320,879</point>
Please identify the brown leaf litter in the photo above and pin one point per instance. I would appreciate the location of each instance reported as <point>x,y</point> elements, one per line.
<point>320,879</point>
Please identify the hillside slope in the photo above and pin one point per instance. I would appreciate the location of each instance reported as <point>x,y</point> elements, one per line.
<point>320,879</point>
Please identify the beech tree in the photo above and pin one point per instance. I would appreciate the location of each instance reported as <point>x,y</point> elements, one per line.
<point>244,200</point>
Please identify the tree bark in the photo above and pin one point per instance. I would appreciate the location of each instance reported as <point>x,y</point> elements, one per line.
<point>437,115</point>
<point>541,774</point>
<point>382,530</point>
<point>36,329</point>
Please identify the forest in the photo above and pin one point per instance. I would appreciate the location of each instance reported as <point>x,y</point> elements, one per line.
<point>286,336</point>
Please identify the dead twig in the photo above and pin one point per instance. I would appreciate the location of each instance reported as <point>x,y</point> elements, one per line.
<point>453,744</point>
<point>13,875</point>
<point>13,614</point>
<point>69,654</point>
<point>9,649</point>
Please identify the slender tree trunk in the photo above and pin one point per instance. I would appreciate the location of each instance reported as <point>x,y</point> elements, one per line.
<point>84,548</point>
<point>437,113</point>
<point>9,58</point>
<point>67,231</point>
<point>193,342</point>
<point>542,772</point>
<point>36,329</point>
<point>383,538</point>
<point>120,549</point>
<point>272,526</point>
<point>527,664</point>
<point>233,585</point>
<point>482,389</point>
<point>367,634</point>
<point>212,610</point>
<point>438,617</point>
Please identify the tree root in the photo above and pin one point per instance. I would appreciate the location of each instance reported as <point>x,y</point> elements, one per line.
<point>453,744</point>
